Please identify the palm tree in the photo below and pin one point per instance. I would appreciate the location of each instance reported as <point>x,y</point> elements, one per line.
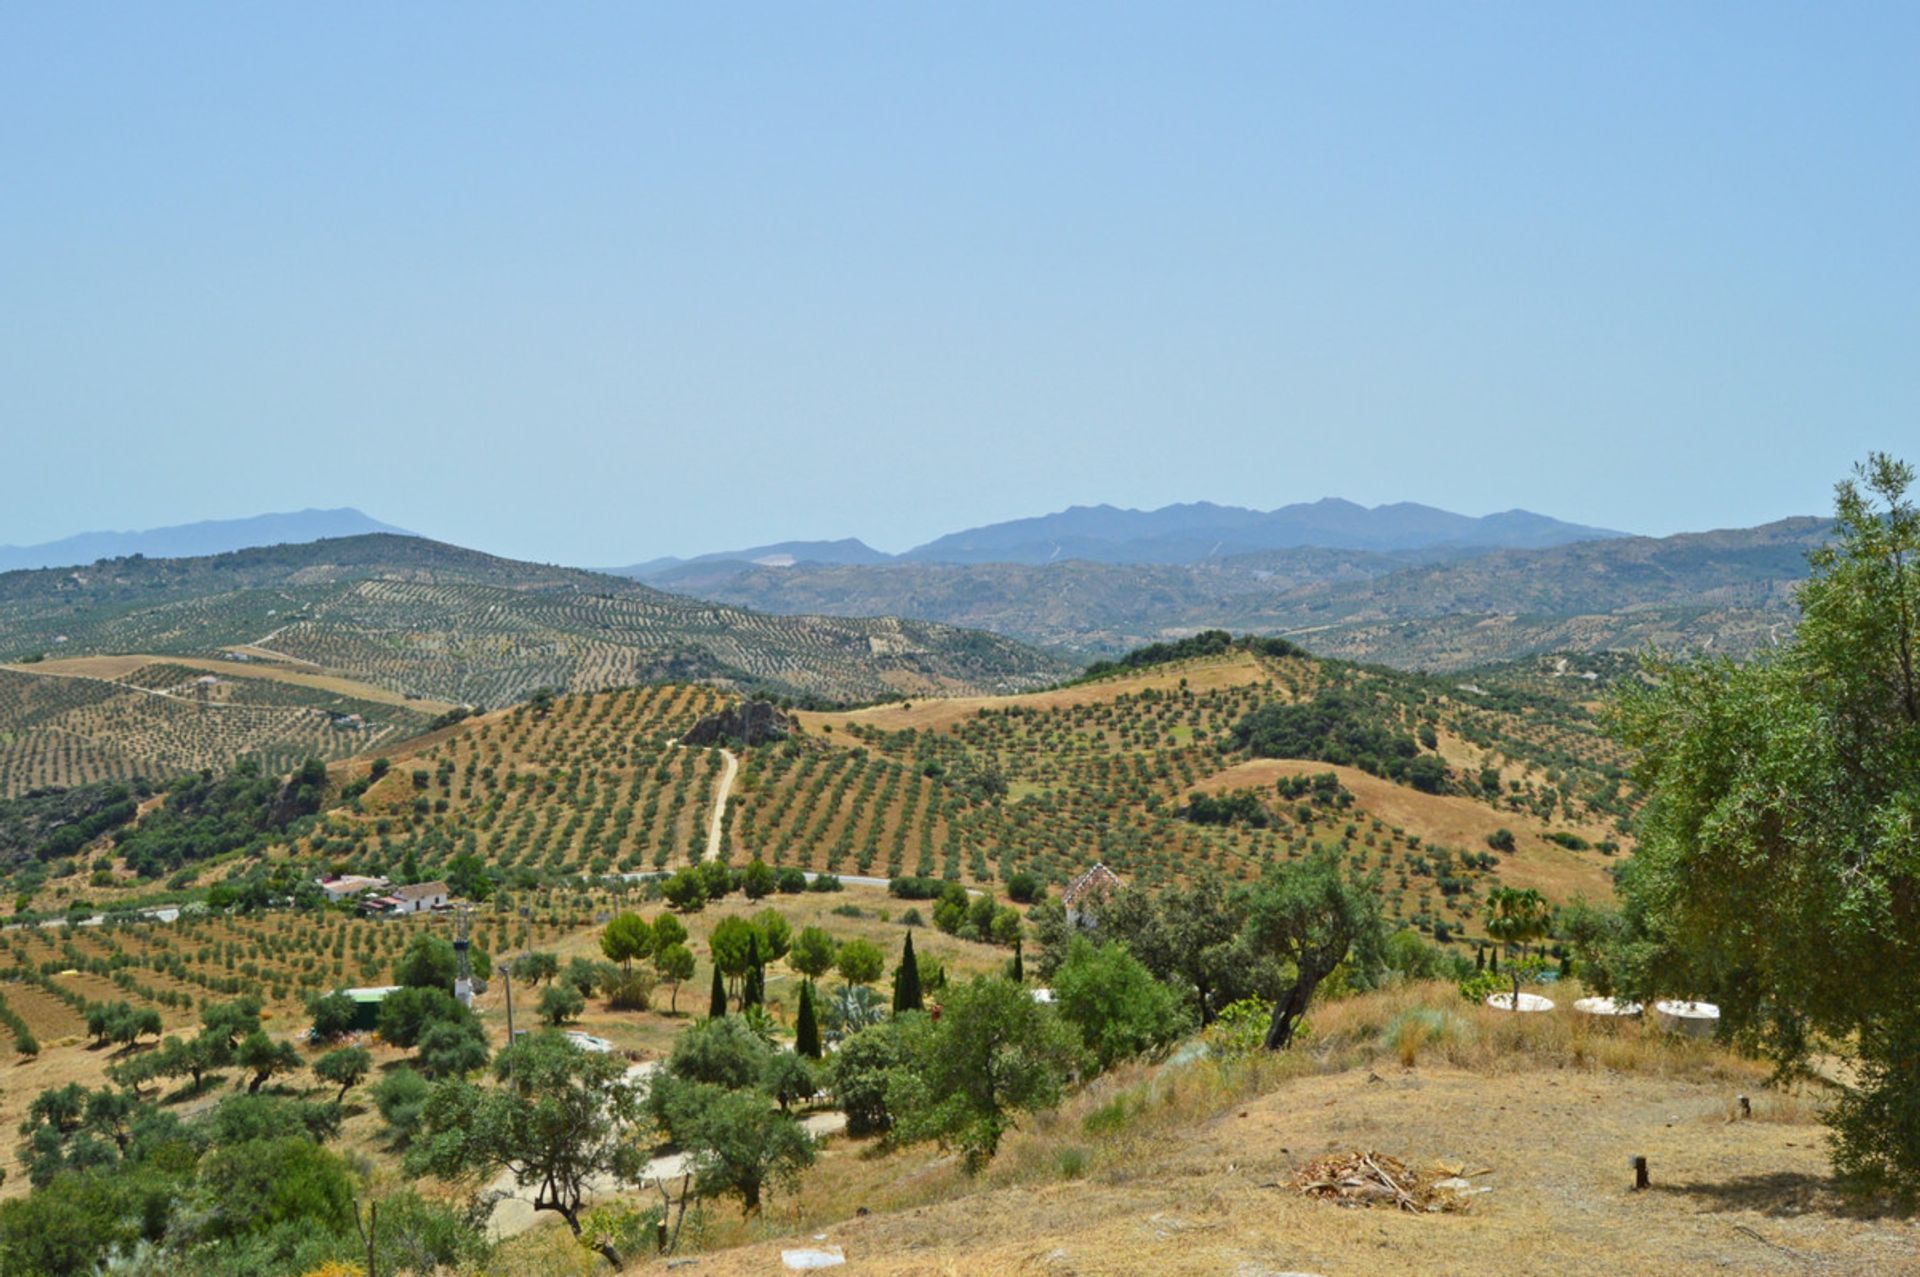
<point>1517,917</point>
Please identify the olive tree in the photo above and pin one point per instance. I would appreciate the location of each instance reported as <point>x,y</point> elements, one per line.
<point>559,1121</point>
<point>1309,915</point>
<point>1779,861</point>
<point>994,1054</point>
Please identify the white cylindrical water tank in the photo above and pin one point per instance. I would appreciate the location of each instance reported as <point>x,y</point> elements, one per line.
<point>1528,1002</point>
<point>1695,1019</point>
<point>1606,1006</point>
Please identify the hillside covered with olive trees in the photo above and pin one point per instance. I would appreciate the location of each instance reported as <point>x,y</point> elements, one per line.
<point>140,668</point>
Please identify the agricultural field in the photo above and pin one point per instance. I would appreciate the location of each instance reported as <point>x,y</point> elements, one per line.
<point>154,719</point>
<point>1141,769</point>
<point>1103,772</point>
<point>979,789</point>
<point>593,785</point>
<point>51,977</point>
<point>436,622</point>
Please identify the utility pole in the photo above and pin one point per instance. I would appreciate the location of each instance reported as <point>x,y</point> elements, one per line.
<point>463,978</point>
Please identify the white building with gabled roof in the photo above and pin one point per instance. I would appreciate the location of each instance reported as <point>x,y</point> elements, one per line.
<point>418,897</point>
<point>1084,894</point>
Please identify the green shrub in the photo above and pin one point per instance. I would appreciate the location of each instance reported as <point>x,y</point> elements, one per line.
<point>1481,985</point>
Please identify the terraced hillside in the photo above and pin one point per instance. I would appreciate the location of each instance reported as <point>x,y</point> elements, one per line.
<point>70,722</point>
<point>595,785</point>
<point>434,623</point>
<point>981,788</point>
<point>1108,771</point>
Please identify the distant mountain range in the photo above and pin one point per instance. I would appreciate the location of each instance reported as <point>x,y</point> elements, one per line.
<point>781,554</point>
<point>213,536</point>
<point>1399,584</point>
<point>1439,608</point>
<point>1196,532</point>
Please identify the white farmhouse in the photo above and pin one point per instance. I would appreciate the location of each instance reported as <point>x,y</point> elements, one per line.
<point>418,897</point>
<point>348,886</point>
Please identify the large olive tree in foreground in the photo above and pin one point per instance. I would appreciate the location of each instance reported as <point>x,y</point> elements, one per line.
<point>1312,916</point>
<point>994,1054</point>
<point>1779,862</point>
<point>560,1119</point>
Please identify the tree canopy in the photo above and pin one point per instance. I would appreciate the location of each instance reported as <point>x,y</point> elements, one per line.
<point>1779,862</point>
<point>560,1119</point>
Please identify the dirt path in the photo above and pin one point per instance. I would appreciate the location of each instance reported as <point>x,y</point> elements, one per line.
<point>155,692</point>
<point>720,797</point>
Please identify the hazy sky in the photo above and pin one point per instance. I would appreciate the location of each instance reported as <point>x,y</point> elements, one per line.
<point>592,284</point>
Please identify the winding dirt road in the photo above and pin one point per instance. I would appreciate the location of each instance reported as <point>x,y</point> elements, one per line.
<point>720,797</point>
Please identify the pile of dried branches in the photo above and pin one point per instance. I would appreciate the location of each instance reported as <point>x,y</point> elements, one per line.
<point>1367,1179</point>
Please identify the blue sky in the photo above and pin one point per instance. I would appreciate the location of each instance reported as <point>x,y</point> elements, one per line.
<point>592,284</point>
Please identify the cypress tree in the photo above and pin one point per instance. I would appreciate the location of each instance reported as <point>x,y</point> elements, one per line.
<point>717,1006</point>
<point>1479,958</point>
<point>906,980</point>
<point>753,987</point>
<point>806,1031</point>
<point>1493,962</point>
<point>1019,968</point>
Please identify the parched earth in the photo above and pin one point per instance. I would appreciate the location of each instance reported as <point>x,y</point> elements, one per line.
<point>1552,1145</point>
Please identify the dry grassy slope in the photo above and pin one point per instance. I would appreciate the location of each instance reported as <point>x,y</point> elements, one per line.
<point>1108,762</point>
<point>1450,820</point>
<point>1546,1111</point>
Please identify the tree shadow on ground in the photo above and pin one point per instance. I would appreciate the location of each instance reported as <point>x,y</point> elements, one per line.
<point>1787,1194</point>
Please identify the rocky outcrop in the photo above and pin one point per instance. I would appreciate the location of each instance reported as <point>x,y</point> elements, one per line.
<point>748,723</point>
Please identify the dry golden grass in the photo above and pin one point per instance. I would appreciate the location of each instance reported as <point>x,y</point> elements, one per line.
<point>115,668</point>
<point>933,715</point>
<point>1448,819</point>
<point>1544,1109</point>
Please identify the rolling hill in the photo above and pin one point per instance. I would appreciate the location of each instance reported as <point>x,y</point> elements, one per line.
<point>1201,1158</point>
<point>1050,782</point>
<point>1117,768</point>
<point>70,722</point>
<point>268,652</point>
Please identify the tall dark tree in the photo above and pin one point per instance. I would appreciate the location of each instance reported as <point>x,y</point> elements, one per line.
<point>806,1029</point>
<point>753,986</point>
<point>906,980</point>
<point>717,1003</point>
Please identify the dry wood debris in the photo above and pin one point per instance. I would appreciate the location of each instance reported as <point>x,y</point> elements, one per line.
<point>1370,1178</point>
